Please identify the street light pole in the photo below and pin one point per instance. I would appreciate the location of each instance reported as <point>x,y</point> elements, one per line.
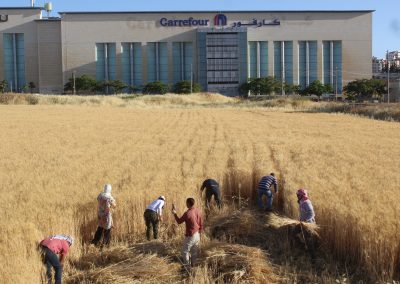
<point>336,79</point>
<point>74,82</point>
<point>191,78</point>
<point>388,76</point>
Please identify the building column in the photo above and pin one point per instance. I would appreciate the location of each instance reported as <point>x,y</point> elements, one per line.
<point>331,63</point>
<point>157,61</point>
<point>131,62</point>
<point>106,61</point>
<point>15,62</point>
<point>296,62</point>
<point>144,63</point>
<point>118,55</point>
<point>307,63</point>
<point>271,71</point>
<point>182,55</point>
<point>320,61</point>
<point>258,60</point>
<point>170,60</point>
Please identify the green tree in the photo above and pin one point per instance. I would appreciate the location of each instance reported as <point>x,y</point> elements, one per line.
<point>133,89</point>
<point>244,89</point>
<point>329,89</point>
<point>3,86</point>
<point>317,88</point>
<point>183,87</point>
<point>290,88</point>
<point>32,86</point>
<point>154,88</point>
<point>82,83</point>
<point>259,86</point>
<point>364,89</point>
<point>114,86</point>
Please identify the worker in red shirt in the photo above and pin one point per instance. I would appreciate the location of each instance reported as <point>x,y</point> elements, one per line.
<point>194,225</point>
<point>51,247</point>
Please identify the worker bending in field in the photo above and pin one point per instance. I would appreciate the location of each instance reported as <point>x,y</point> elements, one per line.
<point>50,248</point>
<point>212,189</point>
<point>305,207</point>
<point>264,188</point>
<point>105,222</point>
<point>307,215</point>
<point>194,225</point>
<point>153,216</point>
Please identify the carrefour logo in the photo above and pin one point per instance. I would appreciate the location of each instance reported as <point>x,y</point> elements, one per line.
<point>220,20</point>
<point>3,18</point>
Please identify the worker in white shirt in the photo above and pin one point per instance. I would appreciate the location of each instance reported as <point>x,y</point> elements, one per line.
<point>153,216</point>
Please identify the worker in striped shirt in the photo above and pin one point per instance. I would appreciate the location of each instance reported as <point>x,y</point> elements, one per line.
<point>264,188</point>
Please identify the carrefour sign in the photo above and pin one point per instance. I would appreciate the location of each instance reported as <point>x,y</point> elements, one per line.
<point>189,22</point>
<point>219,20</point>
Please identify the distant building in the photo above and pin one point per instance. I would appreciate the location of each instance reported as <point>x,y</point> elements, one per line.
<point>394,58</point>
<point>377,65</point>
<point>219,50</point>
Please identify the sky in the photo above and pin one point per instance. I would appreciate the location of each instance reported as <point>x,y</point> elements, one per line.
<point>386,18</point>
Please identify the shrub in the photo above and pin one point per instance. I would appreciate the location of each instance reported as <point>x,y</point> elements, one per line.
<point>32,99</point>
<point>184,87</point>
<point>3,86</point>
<point>155,88</point>
<point>6,99</point>
<point>111,86</point>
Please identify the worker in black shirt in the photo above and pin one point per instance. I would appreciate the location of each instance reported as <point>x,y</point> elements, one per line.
<point>212,188</point>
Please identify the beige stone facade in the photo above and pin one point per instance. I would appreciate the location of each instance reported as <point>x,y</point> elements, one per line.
<point>57,47</point>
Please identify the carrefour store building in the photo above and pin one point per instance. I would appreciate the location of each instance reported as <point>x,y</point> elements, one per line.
<point>219,50</point>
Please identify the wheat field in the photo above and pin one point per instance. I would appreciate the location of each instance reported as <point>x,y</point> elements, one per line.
<point>55,160</point>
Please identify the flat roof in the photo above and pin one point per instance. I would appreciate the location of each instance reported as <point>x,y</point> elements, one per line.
<point>21,8</point>
<point>217,12</point>
<point>48,20</point>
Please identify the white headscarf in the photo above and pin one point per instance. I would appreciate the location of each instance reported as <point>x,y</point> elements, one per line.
<point>64,237</point>
<point>107,190</point>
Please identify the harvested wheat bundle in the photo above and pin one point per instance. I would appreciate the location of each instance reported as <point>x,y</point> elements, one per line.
<point>280,222</point>
<point>157,247</point>
<point>124,265</point>
<point>231,263</point>
<point>245,227</point>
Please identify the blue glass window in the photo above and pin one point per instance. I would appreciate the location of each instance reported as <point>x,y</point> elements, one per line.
<point>183,60</point>
<point>258,59</point>
<point>253,59</point>
<point>157,62</point>
<point>308,67</point>
<point>14,61</point>
<point>332,64</point>
<point>131,61</point>
<point>283,56</point>
<point>105,61</point>
<point>263,58</point>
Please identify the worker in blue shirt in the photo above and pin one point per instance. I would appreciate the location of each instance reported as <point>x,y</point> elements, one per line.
<point>212,189</point>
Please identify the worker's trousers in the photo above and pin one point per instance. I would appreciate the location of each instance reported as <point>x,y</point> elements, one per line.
<point>151,220</point>
<point>50,259</point>
<point>217,196</point>
<point>270,198</point>
<point>101,232</point>
<point>190,249</point>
